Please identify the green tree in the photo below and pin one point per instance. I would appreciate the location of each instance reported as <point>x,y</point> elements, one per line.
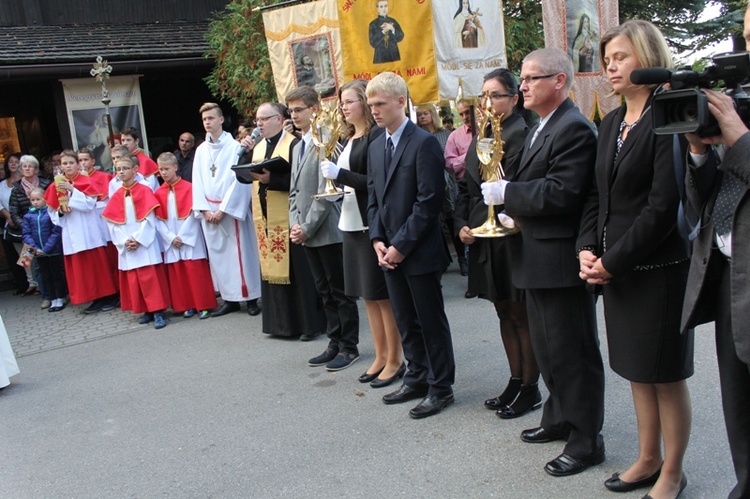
<point>242,72</point>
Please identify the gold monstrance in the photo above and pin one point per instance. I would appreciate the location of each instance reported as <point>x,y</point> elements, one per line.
<point>326,127</point>
<point>490,152</point>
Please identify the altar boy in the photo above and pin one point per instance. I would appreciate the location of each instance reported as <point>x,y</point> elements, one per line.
<point>132,225</point>
<point>190,285</point>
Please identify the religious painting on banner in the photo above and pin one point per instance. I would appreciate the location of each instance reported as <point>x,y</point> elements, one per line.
<point>305,48</point>
<point>86,113</point>
<point>390,35</point>
<point>469,43</point>
<point>576,26</point>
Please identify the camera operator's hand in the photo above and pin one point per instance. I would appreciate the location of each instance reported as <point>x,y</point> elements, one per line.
<point>732,127</point>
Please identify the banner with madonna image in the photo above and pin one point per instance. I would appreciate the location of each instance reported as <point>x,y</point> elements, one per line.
<point>305,48</point>
<point>469,43</point>
<point>390,35</point>
<point>576,26</point>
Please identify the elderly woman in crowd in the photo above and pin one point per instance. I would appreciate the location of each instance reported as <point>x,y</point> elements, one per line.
<point>9,233</point>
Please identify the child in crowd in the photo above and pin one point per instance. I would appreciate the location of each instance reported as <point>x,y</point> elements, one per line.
<point>190,285</point>
<point>46,238</point>
<point>132,227</point>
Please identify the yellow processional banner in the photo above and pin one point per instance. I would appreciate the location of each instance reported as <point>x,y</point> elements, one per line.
<point>576,26</point>
<point>390,35</point>
<point>305,48</point>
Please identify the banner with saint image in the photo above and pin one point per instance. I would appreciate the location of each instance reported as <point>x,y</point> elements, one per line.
<point>304,47</point>
<point>469,43</point>
<point>390,35</point>
<point>576,26</point>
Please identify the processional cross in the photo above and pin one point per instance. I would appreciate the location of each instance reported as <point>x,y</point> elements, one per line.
<point>101,72</point>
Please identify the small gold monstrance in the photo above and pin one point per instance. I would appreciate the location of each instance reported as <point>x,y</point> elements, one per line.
<point>490,152</point>
<point>326,127</point>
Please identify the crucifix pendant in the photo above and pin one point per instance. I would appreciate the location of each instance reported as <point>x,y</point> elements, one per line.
<point>213,170</point>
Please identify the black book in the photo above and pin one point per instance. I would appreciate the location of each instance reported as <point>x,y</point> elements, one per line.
<point>273,165</point>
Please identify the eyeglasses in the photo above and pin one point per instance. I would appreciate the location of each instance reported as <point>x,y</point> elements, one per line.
<point>298,110</point>
<point>530,79</point>
<point>494,96</point>
<point>347,103</point>
<point>262,119</point>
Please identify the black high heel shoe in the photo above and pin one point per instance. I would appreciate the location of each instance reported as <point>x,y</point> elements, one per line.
<point>367,377</point>
<point>380,383</point>
<point>509,395</point>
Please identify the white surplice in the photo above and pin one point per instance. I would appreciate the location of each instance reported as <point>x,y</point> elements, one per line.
<point>231,244</point>
<point>188,230</point>
<point>8,364</point>
<point>81,227</point>
<point>149,252</point>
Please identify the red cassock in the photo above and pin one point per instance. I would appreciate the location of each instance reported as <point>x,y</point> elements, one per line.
<point>143,284</point>
<point>86,271</point>
<point>190,283</point>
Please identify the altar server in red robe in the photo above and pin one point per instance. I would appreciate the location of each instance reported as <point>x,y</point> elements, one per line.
<point>71,201</point>
<point>190,285</point>
<point>132,227</point>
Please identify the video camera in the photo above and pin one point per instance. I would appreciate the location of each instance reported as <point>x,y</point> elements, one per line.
<point>684,107</point>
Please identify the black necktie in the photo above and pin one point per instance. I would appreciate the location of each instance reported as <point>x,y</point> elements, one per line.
<point>726,201</point>
<point>301,151</point>
<point>388,155</point>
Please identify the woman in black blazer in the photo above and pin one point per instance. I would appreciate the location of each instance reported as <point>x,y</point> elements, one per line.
<point>489,259</point>
<point>362,275</point>
<point>629,244</point>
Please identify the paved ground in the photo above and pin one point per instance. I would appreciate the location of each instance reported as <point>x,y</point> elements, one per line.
<point>217,409</point>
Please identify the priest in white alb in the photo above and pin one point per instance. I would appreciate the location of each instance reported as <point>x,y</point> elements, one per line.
<point>223,205</point>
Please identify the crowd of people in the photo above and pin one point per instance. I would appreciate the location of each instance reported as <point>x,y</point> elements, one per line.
<point>599,214</point>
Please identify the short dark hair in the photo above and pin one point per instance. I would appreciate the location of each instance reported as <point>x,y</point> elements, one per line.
<point>306,94</point>
<point>130,132</point>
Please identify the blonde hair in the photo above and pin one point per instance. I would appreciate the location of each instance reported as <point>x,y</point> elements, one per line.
<point>167,157</point>
<point>359,87</point>
<point>208,106</point>
<point>388,83</point>
<point>432,109</point>
<point>650,47</point>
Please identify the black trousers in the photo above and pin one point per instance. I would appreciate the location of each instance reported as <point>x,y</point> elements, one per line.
<point>342,315</point>
<point>562,324</point>
<point>53,276</point>
<point>417,302</point>
<point>734,376</point>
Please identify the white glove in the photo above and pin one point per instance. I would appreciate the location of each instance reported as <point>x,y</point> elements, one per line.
<point>329,170</point>
<point>506,221</point>
<point>494,192</point>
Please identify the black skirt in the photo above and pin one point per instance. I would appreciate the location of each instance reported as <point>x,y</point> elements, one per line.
<point>363,277</point>
<point>642,312</point>
<point>490,268</point>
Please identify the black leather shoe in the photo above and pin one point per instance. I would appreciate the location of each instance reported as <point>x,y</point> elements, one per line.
<point>380,383</point>
<point>470,294</point>
<point>505,398</point>
<point>615,484</point>
<point>252,308</point>
<point>528,399</point>
<point>404,394</point>
<point>227,308</point>
<point>539,435</point>
<point>431,405</point>
<point>565,465</point>
<point>367,377</point>
<point>683,484</point>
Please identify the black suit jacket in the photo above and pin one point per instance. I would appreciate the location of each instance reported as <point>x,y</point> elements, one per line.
<point>356,176</point>
<point>635,197</point>
<point>545,198</point>
<point>702,186</point>
<point>404,205</point>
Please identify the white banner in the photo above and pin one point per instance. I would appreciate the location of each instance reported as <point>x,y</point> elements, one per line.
<point>469,43</point>
<point>86,114</point>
